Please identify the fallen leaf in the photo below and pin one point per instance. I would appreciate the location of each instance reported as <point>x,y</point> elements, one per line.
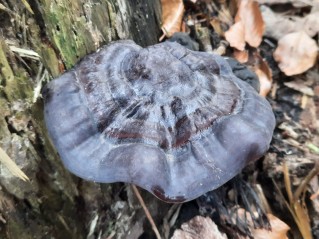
<point>278,25</point>
<point>295,3</point>
<point>263,71</point>
<point>265,79</point>
<point>241,56</point>
<point>296,53</point>
<point>248,22</point>
<point>308,117</point>
<point>314,195</point>
<point>311,24</point>
<point>236,36</point>
<point>265,82</point>
<point>199,228</point>
<point>278,230</point>
<point>250,14</point>
<point>172,14</point>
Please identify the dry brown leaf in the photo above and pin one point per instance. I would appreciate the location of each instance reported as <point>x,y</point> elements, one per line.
<point>311,23</point>
<point>279,229</point>
<point>172,14</point>
<point>263,71</point>
<point>296,53</point>
<point>241,56</point>
<point>278,25</point>
<point>199,228</point>
<point>266,79</point>
<point>314,195</point>
<point>295,3</point>
<point>248,23</point>
<point>236,36</point>
<point>265,82</point>
<point>250,14</point>
<point>308,117</point>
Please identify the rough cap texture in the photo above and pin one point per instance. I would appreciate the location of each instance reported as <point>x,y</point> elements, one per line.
<point>175,122</point>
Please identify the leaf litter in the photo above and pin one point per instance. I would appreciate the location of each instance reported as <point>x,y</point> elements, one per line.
<point>248,26</point>
<point>279,44</point>
<point>296,53</point>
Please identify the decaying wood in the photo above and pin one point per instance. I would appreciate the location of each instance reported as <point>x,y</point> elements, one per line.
<point>37,43</point>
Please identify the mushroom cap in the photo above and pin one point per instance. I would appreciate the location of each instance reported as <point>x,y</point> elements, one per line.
<point>175,122</point>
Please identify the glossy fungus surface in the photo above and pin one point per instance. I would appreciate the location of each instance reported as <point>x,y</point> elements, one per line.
<point>175,122</point>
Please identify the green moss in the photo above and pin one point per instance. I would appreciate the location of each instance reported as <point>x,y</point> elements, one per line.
<point>17,229</point>
<point>5,69</point>
<point>18,88</point>
<point>68,30</point>
<point>62,36</point>
<point>77,28</point>
<point>4,109</point>
<point>50,60</point>
<point>44,49</point>
<point>16,85</point>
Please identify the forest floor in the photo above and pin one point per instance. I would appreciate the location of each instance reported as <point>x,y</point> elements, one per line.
<point>275,198</point>
<point>278,40</point>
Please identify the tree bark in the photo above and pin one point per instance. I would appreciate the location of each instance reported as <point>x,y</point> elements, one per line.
<point>35,47</point>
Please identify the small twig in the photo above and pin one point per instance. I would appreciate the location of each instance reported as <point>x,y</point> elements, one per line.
<point>263,199</point>
<point>221,49</point>
<point>175,215</point>
<point>168,219</point>
<point>12,166</point>
<point>288,183</point>
<point>27,6</point>
<point>203,37</point>
<point>302,187</point>
<point>297,205</point>
<point>147,212</point>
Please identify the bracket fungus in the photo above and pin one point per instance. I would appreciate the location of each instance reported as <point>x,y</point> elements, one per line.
<point>175,122</point>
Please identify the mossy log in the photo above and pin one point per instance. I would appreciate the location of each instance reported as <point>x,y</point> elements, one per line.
<point>39,40</point>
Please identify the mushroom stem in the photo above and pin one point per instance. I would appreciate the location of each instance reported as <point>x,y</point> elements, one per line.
<point>147,212</point>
